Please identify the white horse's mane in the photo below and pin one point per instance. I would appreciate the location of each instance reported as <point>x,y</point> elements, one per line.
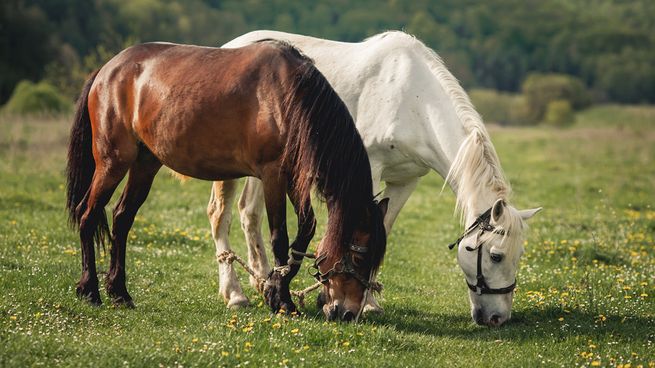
<point>475,174</point>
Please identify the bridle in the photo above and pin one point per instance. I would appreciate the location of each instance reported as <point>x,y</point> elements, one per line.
<point>482,225</point>
<point>343,266</point>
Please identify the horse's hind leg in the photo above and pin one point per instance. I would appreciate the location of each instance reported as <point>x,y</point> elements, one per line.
<point>219,211</point>
<point>251,210</point>
<point>141,174</point>
<point>105,179</point>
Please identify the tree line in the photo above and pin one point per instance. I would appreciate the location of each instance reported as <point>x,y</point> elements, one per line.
<point>493,44</point>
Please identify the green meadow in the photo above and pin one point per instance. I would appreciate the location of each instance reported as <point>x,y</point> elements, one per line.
<point>586,286</point>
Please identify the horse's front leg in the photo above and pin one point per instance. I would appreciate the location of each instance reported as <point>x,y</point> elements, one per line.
<point>306,229</point>
<point>276,290</point>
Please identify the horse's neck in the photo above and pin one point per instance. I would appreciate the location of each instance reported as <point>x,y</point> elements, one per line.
<point>453,130</point>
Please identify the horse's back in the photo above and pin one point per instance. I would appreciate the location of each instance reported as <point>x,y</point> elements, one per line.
<point>388,83</point>
<point>204,112</point>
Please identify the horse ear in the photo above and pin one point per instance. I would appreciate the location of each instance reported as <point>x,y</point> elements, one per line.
<point>526,214</point>
<point>497,210</point>
<point>383,205</point>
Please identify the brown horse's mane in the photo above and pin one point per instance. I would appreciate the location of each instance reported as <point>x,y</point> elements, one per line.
<point>324,149</point>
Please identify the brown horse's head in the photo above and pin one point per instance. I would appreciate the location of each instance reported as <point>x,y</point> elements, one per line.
<point>347,275</point>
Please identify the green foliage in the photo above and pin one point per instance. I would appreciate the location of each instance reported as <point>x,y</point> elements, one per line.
<point>559,113</point>
<point>499,107</point>
<point>495,44</point>
<point>30,98</point>
<point>25,44</point>
<point>542,89</point>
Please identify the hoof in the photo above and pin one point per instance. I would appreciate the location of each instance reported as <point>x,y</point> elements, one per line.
<point>118,293</point>
<point>89,295</point>
<point>123,302</point>
<point>277,295</point>
<point>238,302</point>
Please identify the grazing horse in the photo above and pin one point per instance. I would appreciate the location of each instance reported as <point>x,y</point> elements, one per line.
<point>413,117</point>
<point>263,110</point>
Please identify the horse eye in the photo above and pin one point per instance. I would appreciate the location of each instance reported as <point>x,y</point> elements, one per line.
<point>496,257</point>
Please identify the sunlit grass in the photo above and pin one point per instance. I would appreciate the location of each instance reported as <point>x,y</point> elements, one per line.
<point>585,295</point>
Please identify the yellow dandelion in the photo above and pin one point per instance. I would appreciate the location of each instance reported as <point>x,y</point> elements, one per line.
<point>561,319</point>
<point>295,331</point>
<point>225,353</point>
<point>345,344</point>
<point>595,363</point>
<point>248,345</point>
<point>643,295</point>
<point>13,317</point>
<point>194,340</point>
<point>592,346</point>
<point>306,347</point>
<point>276,325</point>
<point>246,329</point>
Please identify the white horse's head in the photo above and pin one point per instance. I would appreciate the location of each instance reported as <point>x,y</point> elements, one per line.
<point>489,253</point>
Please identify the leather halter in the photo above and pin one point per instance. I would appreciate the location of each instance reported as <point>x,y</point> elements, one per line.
<point>345,266</point>
<point>482,225</point>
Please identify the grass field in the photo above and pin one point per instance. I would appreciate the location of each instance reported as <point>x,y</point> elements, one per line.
<point>586,294</point>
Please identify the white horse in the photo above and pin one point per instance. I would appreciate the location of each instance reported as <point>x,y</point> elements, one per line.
<point>413,117</point>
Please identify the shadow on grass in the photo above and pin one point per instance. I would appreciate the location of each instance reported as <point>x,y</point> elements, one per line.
<point>524,325</point>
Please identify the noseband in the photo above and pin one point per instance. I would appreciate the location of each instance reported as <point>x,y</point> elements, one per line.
<point>482,225</point>
<point>343,266</point>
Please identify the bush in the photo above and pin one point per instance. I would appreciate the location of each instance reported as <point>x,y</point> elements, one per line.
<point>559,113</point>
<point>542,89</point>
<point>499,107</point>
<point>30,98</point>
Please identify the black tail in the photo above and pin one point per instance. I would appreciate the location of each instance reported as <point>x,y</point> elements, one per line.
<point>81,165</point>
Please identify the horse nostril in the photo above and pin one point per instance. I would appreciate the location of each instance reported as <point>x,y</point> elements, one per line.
<point>478,316</point>
<point>494,320</point>
<point>320,300</point>
<point>333,315</point>
<point>348,316</point>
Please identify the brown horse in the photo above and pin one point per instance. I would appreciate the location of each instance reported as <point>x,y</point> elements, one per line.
<point>263,110</point>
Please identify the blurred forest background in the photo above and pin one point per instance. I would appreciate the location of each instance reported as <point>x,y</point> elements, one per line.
<point>523,61</point>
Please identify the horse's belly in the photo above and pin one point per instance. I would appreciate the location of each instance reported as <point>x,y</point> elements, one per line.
<point>214,162</point>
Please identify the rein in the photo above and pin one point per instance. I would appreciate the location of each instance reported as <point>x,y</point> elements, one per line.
<point>482,225</point>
